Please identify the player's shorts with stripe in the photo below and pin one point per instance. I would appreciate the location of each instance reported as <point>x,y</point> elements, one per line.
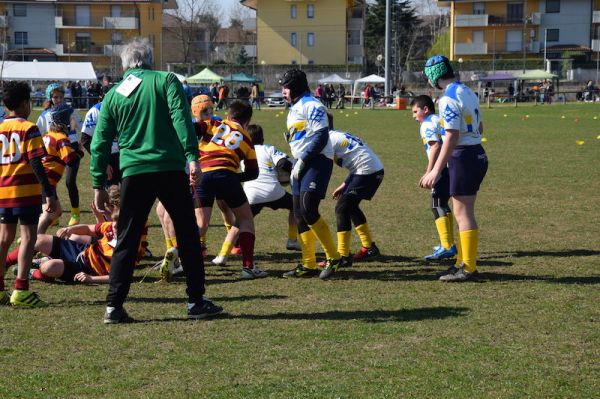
<point>441,189</point>
<point>363,186</point>
<point>314,177</point>
<point>71,253</point>
<point>285,202</point>
<point>221,184</point>
<point>26,215</point>
<point>467,167</point>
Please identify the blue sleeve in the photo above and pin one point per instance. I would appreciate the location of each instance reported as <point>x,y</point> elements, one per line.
<point>319,142</point>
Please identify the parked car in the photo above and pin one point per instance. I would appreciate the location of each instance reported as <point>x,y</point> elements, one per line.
<point>274,99</point>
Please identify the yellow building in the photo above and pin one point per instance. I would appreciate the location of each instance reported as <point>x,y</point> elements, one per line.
<point>496,29</point>
<point>76,30</point>
<point>309,31</point>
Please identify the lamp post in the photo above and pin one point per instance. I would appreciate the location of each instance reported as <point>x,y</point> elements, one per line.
<point>545,47</point>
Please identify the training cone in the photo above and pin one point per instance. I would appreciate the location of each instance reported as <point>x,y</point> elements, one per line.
<point>580,142</point>
<point>484,140</point>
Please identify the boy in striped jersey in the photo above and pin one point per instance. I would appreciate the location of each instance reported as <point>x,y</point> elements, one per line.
<point>60,154</point>
<point>21,173</point>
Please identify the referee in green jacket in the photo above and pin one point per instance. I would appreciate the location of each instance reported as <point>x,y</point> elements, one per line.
<point>150,112</point>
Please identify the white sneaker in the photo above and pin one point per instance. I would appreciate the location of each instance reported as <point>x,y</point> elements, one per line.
<point>293,245</point>
<point>219,261</point>
<point>255,272</point>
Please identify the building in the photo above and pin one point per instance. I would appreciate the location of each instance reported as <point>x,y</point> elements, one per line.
<point>185,42</point>
<point>76,30</point>
<point>494,29</point>
<point>309,31</point>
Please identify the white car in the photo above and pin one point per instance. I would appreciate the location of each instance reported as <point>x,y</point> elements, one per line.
<point>275,99</point>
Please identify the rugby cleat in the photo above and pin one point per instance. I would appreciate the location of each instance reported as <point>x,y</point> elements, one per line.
<point>442,253</point>
<point>4,298</point>
<point>219,261</point>
<point>301,271</point>
<point>255,272</point>
<point>204,310</point>
<point>367,253</point>
<point>331,266</point>
<point>292,245</point>
<point>460,276</point>
<point>117,316</point>
<point>168,264</point>
<point>26,299</point>
<point>74,219</point>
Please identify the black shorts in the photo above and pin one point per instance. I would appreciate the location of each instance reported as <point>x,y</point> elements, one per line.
<point>467,167</point>
<point>285,202</point>
<point>441,189</point>
<point>221,184</point>
<point>314,177</point>
<point>71,253</point>
<point>363,186</point>
<point>26,216</point>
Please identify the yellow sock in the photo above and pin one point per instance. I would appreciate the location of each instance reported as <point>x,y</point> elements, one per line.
<point>459,254</point>
<point>75,211</point>
<point>307,244</point>
<point>292,232</point>
<point>442,224</point>
<point>227,227</point>
<point>173,242</point>
<point>344,238</point>
<point>225,248</point>
<point>469,241</point>
<point>364,233</point>
<point>168,242</point>
<point>323,234</point>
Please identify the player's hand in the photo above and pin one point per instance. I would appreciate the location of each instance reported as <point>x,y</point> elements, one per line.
<point>63,232</point>
<point>195,173</point>
<point>297,169</point>
<point>338,191</point>
<point>102,201</point>
<point>429,179</point>
<point>82,277</point>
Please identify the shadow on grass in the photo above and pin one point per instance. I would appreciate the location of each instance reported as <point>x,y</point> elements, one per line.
<point>217,299</point>
<point>583,280</point>
<point>559,254</point>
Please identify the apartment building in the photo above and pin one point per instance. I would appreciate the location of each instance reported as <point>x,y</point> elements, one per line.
<point>522,28</point>
<point>309,31</point>
<point>75,30</point>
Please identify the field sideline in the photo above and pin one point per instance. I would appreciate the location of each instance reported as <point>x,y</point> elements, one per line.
<point>385,329</point>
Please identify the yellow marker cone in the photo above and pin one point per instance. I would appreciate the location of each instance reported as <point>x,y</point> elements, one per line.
<point>506,116</point>
<point>347,115</point>
<point>580,142</point>
<point>355,113</point>
<point>598,137</point>
<point>595,117</point>
<point>341,112</point>
<point>562,117</point>
<point>484,140</point>
<point>527,116</point>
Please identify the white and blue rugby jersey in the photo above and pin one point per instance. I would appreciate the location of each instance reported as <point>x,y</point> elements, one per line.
<point>431,130</point>
<point>459,110</point>
<point>43,123</point>
<point>266,187</point>
<point>89,125</point>
<point>355,154</point>
<point>304,119</point>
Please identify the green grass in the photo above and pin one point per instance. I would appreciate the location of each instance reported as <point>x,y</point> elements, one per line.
<point>386,329</point>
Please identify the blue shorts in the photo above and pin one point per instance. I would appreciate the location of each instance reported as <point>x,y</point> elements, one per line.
<point>467,167</point>
<point>71,253</point>
<point>314,177</point>
<point>26,216</point>
<point>221,184</point>
<point>441,189</point>
<point>363,186</point>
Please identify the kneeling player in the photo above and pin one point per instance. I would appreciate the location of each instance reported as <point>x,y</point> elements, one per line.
<point>366,175</point>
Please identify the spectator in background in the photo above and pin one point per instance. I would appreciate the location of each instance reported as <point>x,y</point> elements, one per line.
<point>341,93</point>
<point>214,92</point>
<point>187,89</point>
<point>255,96</point>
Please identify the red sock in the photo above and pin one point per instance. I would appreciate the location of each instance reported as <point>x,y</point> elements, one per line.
<point>246,240</point>
<point>12,257</point>
<point>38,275</point>
<point>21,284</point>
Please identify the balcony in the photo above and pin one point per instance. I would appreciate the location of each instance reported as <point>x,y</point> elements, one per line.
<point>81,50</point>
<point>3,21</point>
<point>112,49</point>
<point>120,22</point>
<point>471,20</point>
<point>595,45</point>
<point>596,17</point>
<point>470,48</point>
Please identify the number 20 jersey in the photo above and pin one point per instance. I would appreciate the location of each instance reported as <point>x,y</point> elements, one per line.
<point>355,154</point>
<point>20,141</point>
<point>459,110</point>
<point>306,117</point>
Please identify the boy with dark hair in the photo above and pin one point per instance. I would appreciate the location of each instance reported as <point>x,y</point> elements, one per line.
<point>423,111</point>
<point>21,173</point>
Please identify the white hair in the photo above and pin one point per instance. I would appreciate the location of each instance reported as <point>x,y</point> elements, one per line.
<point>137,53</point>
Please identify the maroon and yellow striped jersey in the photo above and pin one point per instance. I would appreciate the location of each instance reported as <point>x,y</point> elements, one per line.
<point>224,146</point>
<point>59,154</point>
<point>99,254</point>
<point>20,141</point>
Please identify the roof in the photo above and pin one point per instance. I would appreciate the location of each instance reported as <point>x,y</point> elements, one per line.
<point>335,78</point>
<point>232,35</point>
<point>16,70</point>
<point>536,74</point>
<point>31,51</point>
<point>204,76</point>
<point>567,47</point>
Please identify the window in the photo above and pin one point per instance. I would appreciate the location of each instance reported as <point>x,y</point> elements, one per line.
<point>514,12</point>
<point>479,8</point>
<point>514,40</point>
<point>21,38</point>
<point>310,11</point>
<point>82,15</point>
<point>357,12</point>
<point>151,14</point>
<point>117,38</point>
<point>552,5</point>
<point>20,10</point>
<point>293,11</point>
<point>294,62</point>
<point>83,42</point>
<point>552,35</point>
<point>294,39</point>
<point>478,36</point>
<point>354,37</point>
<point>311,62</point>
<point>310,39</point>
<point>115,11</point>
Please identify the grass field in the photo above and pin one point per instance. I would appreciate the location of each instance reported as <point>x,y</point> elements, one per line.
<point>386,329</point>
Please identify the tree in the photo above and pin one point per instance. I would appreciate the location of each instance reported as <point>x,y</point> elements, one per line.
<point>241,56</point>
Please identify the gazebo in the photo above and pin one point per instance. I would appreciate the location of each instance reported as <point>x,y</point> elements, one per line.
<point>204,76</point>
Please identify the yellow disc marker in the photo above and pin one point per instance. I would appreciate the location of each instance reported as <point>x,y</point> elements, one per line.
<point>580,142</point>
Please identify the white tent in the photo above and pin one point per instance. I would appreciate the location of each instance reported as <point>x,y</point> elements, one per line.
<point>367,79</point>
<point>335,79</point>
<point>33,70</point>
<point>180,77</point>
